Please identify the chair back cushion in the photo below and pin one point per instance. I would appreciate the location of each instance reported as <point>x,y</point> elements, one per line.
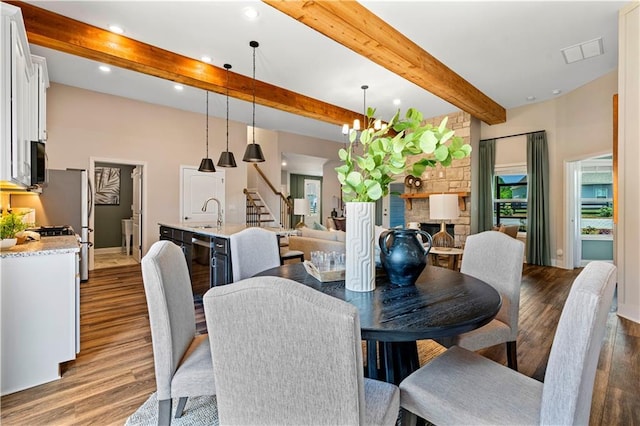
<point>284,354</point>
<point>497,259</point>
<point>253,250</point>
<point>171,311</point>
<point>568,381</point>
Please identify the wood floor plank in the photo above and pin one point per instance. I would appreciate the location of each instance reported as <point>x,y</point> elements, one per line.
<point>114,373</point>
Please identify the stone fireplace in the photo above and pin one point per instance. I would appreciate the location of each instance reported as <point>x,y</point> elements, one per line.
<point>455,178</point>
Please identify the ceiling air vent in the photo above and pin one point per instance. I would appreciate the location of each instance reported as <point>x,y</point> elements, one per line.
<point>587,49</point>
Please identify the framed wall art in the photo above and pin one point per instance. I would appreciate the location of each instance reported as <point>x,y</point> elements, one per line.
<point>107,181</point>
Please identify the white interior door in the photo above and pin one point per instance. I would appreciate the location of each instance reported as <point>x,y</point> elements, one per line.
<point>136,208</point>
<point>197,188</point>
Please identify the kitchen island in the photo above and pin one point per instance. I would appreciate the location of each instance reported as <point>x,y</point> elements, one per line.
<point>40,291</point>
<point>207,251</point>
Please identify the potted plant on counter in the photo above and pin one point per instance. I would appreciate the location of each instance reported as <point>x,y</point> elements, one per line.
<point>371,166</point>
<point>10,225</point>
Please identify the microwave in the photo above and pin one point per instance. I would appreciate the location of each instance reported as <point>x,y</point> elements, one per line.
<point>38,163</point>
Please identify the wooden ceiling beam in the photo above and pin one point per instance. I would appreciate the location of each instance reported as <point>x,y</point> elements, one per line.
<point>58,32</point>
<point>355,27</point>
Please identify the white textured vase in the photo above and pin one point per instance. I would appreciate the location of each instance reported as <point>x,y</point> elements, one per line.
<point>360,273</point>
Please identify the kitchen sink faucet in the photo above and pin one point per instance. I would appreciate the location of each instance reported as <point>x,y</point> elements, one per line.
<point>204,209</point>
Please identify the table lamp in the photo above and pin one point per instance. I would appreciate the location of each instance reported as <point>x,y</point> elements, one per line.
<point>443,207</point>
<point>301,208</point>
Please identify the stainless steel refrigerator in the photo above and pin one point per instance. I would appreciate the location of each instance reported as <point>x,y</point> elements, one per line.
<point>66,199</point>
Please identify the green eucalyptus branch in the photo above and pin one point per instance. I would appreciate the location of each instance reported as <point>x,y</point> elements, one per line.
<point>367,176</point>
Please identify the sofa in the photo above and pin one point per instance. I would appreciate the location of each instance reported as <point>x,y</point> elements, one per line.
<point>311,239</point>
<point>317,240</point>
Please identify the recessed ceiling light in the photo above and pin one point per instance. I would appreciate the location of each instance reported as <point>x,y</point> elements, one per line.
<point>284,163</point>
<point>250,13</point>
<point>116,29</point>
<point>556,91</point>
<point>531,98</point>
<point>104,68</point>
<point>178,87</point>
<point>205,59</point>
<point>396,102</point>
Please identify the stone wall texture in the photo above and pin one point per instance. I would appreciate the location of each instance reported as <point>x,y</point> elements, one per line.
<point>455,178</point>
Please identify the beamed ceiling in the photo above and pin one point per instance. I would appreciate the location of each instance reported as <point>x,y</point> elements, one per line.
<point>390,38</point>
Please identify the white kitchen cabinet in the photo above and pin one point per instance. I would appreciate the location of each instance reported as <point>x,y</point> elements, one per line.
<point>39,98</point>
<point>40,317</point>
<point>24,82</point>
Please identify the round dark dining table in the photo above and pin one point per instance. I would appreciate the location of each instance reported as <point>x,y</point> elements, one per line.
<point>442,303</point>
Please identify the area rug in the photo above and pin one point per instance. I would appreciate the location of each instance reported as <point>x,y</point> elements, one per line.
<point>200,410</point>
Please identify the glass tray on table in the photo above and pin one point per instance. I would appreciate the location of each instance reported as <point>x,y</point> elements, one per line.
<point>325,275</point>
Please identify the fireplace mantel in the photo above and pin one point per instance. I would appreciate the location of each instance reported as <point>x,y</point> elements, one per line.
<point>408,198</point>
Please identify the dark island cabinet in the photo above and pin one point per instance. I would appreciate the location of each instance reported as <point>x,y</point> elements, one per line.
<point>208,257</point>
<point>181,238</point>
<point>221,262</point>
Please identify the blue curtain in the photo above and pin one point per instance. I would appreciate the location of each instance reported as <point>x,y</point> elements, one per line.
<point>538,244</point>
<point>487,161</point>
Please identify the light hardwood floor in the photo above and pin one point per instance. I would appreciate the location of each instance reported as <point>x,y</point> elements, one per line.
<point>113,374</point>
<point>112,259</point>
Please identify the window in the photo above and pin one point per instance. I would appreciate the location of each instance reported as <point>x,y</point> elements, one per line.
<point>510,202</point>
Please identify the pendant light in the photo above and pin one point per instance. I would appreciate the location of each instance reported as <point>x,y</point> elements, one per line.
<point>377,124</point>
<point>365,122</point>
<point>226,158</point>
<point>253,153</point>
<point>206,165</point>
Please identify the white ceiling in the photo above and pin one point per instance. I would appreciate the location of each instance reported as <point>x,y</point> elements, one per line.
<point>508,50</point>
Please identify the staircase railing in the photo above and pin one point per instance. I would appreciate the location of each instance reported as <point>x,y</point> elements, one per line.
<point>286,204</point>
<point>253,209</point>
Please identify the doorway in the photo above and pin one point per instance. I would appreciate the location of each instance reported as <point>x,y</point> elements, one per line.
<point>590,206</point>
<point>123,181</point>
<point>310,188</point>
<point>393,207</point>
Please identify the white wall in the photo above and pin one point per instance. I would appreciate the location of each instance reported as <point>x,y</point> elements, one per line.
<point>579,125</point>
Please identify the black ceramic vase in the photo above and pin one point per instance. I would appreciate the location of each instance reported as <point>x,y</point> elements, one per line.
<point>403,254</point>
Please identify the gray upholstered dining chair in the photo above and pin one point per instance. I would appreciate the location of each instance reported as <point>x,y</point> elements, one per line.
<point>182,360</point>
<point>462,387</point>
<point>496,259</point>
<point>286,354</point>
<point>253,250</point>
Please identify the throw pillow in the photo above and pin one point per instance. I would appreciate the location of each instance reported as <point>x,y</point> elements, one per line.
<point>319,227</point>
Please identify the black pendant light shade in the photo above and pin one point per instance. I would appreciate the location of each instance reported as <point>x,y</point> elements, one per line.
<point>226,158</point>
<point>253,153</point>
<point>206,165</point>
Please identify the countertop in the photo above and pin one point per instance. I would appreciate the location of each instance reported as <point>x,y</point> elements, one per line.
<point>46,246</point>
<point>204,228</point>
